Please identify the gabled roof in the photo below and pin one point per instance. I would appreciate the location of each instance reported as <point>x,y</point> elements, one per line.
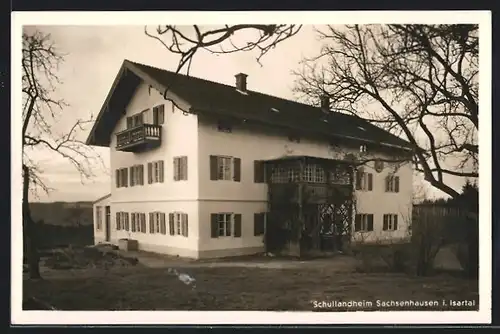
<point>210,97</point>
<point>102,198</point>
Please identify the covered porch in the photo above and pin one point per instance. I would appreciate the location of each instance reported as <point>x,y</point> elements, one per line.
<point>310,205</point>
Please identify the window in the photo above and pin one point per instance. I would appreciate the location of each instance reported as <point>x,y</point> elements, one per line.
<point>225,168</point>
<point>259,171</point>
<point>122,222</point>
<point>137,175</point>
<point>364,181</point>
<point>138,222</point>
<point>180,168</point>
<point>159,114</point>
<point>363,222</point>
<point>294,138</point>
<point>362,148</point>
<point>392,184</point>
<point>314,174</point>
<point>178,223</point>
<point>135,120</point>
<point>223,126</point>
<point>225,225</point>
<point>121,177</point>
<point>155,172</point>
<point>98,218</point>
<point>259,220</point>
<point>390,222</point>
<point>157,223</point>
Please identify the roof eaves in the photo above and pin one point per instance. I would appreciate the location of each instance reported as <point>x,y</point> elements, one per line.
<point>102,198</point>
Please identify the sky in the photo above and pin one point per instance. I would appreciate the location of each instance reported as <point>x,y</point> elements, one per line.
<point>93,56</point>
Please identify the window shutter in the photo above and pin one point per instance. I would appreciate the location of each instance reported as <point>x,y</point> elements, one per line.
<point>160,163</point>
<point>185,225</point>
<point>357,223</point>
<point>125,178</point>
<point>151,223</point>
<point>370,181</point>
<point>258,228</point>
<point>237,225</point>
<point>129,122</point>
<point>118,227</point>
<point>396,184</point>
<point>132,173</point>
<point>133,216</point>
<point>387,181</point>
<point>214,229</point>
<point>141,177</point>
<point>117,176</point>
<point>358,180</point>
<point>143,222</point>
<point>237,169</point>
<point>370,222</point>
<point>184,164</point>
<point>395,223</point>
<point>213,168</point>
<point>163,226</point>
<point>176,169</point>
<point>161,114</point>
<point>385,225</point>
<point>258,171</point>
<point>150,172</point>
<point>155,116</point>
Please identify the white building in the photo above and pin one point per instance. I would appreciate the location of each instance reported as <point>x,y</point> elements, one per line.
<point>188,159</point>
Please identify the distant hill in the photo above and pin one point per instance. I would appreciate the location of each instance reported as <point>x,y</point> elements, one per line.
<point>63,213</point>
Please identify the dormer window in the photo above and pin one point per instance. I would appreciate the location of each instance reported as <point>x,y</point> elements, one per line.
<point>224,127</point>
<point>362,148</point>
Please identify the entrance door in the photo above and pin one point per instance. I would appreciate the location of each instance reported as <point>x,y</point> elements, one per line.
<point>107,228</point>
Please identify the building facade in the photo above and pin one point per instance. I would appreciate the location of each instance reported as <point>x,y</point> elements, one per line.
<point>184,171</point>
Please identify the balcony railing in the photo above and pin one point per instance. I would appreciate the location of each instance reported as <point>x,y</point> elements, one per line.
<point>139,138</point>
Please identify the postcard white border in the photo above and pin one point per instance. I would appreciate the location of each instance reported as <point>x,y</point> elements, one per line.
<point>483,18</point>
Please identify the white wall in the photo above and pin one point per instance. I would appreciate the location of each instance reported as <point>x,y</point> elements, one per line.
<point>250,143</point>
<point>179,138</point>
<point>160,243</point>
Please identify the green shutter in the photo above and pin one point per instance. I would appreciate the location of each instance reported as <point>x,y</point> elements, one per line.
<point>396,185</point>
<point>258,171</point>
<point>171,225</point>
<point>184,164</point>
<point>395,222</point>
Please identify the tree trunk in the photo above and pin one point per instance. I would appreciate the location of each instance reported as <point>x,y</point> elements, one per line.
<point>29,235</point>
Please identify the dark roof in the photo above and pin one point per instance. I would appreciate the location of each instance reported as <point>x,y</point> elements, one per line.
<point>210,97</point>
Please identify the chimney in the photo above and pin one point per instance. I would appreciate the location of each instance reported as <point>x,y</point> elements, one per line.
<point>241,82</point>
<point>325,102</point>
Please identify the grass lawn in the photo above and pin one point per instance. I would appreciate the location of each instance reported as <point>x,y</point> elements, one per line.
<point>230,288</point>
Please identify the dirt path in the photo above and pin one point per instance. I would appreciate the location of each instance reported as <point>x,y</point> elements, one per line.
<point>340,262</point>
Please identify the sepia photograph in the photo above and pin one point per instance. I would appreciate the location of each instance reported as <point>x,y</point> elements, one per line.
<point>331,170</point>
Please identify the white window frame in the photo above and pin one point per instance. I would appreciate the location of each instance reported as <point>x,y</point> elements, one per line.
<point>225,220</point>
<point>391,183</point>
<point>225,168</point>
<point>363,222</point>
<point>391,219</point>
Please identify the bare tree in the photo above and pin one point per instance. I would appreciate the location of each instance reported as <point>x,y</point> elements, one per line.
<point>41,111</point>
<point>419,80</point>
<point>186,41</point>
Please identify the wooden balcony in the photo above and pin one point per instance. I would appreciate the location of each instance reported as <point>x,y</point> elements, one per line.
<point>140,138</point>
